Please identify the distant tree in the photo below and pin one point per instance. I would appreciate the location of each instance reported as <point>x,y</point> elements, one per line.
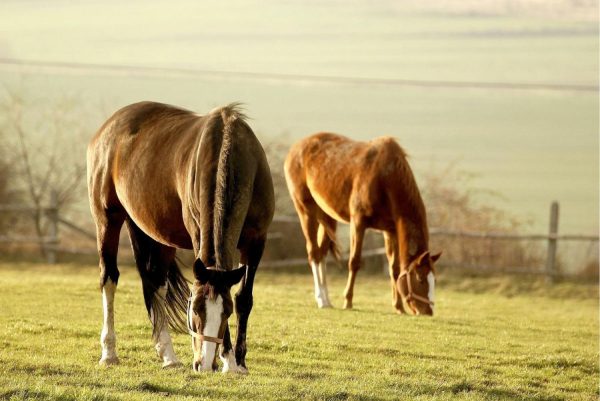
<point>4,174</point>
<point>454,204</point>
<point>44,141</point>
<point>7,194</point>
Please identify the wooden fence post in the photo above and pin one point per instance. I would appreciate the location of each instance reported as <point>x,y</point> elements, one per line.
<point>53,228</point>
<point>551,272</point>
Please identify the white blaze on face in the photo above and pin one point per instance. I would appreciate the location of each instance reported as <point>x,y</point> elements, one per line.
<point>431,292</point>
<point>214,315</point>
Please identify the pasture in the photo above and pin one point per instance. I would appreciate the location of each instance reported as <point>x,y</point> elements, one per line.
<point>491,339</point>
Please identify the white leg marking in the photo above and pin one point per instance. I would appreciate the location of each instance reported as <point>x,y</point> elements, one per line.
<point>323,281</point>
<point>214,314</point>
<point>164,348</point>
<point>431,292</point>
<point>164,345</point>
<point>230,365</point>
<point>108,339</point>
<point>320,296</point>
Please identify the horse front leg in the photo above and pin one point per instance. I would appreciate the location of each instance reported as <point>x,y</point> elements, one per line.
<point>243,307</point>
<point>227,355</point>
<point>357,233</point>
<point>393,257</point>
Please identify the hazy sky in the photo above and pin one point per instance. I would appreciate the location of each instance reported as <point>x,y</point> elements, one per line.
<point>531,146</point>
<point>356,38</point>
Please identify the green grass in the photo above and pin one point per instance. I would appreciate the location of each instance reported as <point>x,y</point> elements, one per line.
<point>482,343</point>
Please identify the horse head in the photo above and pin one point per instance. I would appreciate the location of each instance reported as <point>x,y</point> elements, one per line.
<point>416,284</point>
<point>209,308</point>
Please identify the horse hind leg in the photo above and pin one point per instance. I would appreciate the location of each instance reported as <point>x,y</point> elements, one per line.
<point>326,242</point>
<point>108,228</point>
<point>308,212</point>
<point>162,285</point>
<point>163,343</point>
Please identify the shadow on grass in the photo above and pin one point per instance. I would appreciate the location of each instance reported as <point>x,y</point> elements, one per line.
<point>479,391</point>
<point>165,391</point>
<point>561,363</point>
<point>43,370</point>
<point>27,394</point>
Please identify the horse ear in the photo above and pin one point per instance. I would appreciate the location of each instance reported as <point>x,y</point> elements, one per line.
<point>435,257</point>
<point>201,273</point>
<point>423,258</point>
<point>232,277</point>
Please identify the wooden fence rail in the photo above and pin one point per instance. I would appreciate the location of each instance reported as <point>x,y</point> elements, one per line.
<point>50,242</point>
<point>552,238</point>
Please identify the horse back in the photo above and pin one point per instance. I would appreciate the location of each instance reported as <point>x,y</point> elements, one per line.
<point>137,161</point>
<point>348,178</point>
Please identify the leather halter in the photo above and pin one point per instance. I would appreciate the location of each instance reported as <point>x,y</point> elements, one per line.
<point>200,337</point>
<point>411,295</point>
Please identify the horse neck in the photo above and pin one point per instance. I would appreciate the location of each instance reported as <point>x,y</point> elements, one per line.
<point>413,238</point>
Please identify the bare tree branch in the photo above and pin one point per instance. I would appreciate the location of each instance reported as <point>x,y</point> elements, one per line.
<point>45,145</point>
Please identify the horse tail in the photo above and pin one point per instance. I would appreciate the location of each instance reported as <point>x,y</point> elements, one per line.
<point>232,190</point>
<point>178,292</point>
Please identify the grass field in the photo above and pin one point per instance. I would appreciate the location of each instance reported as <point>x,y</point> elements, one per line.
<point>488,340</point>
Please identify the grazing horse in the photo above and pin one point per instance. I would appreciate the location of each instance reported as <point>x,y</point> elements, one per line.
<point>180,180</point>
<point>332,178</point>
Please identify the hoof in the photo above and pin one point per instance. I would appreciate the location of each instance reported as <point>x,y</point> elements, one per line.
<point>172,365</point>
<point>323,303</point>
<point>242,370</point>
<point>230,365</point>
<point>237,369</point>
<point>347,305</point>
<point>400,312</point>
<point>109,361</point>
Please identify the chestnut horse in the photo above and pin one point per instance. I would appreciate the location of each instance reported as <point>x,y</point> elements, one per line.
<point>180,180</point>
<point>332,178</point>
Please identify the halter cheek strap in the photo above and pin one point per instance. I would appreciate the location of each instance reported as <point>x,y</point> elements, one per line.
<point>205,338</point>
<point>200,337</point>
<point>411,295</point>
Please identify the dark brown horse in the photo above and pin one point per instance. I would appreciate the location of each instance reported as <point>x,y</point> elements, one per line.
<point>369,185</point>
<point>180,180</point>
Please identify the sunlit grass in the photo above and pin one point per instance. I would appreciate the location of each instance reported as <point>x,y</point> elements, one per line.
<point>480,344</point>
